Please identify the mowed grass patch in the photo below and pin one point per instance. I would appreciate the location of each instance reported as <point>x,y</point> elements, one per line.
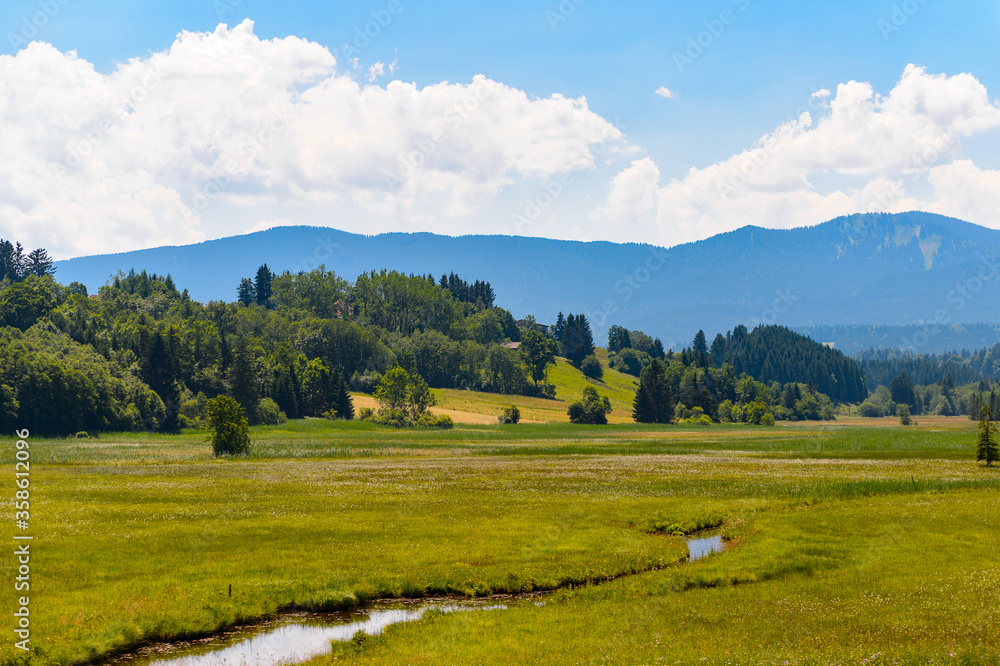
<point>569,383</point>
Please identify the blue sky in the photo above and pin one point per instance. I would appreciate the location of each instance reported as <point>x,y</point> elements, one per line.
<point>758,64</point>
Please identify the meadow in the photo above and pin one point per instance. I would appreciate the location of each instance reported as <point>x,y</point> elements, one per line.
<point>846,541</point>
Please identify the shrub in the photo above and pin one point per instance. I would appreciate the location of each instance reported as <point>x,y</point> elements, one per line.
<point>227,426</point>
<point>591,367</point>
<point>592,409</point>
<point>397,418</point>
<point>429,420</point>
<point>365,414</point>
<point>511,415</point>
<point>268,412</point>
<point>903,412</point>
<point>758,413</point>
<point>868,410</point>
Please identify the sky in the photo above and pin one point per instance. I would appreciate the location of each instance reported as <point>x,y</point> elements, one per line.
<point>126,125</point>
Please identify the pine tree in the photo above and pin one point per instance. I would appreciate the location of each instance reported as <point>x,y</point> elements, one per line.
<point>11,261</point>
<point>653,401</point>
<point>718,350</point>
<point>700,343</point>
<point>577,339</point>
<point>246,293</point>
<point>986,443</point>
<point>242,377</point>
<point>902,391</point>
<point>262,285</point>
<point>559,328</point>
<point>38,263</point>
<point>343,401</point>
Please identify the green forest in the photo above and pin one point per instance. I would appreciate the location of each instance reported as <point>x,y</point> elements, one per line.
<point>140,354</point>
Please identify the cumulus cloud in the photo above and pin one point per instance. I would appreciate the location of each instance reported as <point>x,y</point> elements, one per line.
<point>665,92</point>
<point>152,152</point>
<point>882,150</point>
<point>632,199</point>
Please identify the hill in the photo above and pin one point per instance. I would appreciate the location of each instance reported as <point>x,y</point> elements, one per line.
<point>925,338</point>
<point>873,269</point>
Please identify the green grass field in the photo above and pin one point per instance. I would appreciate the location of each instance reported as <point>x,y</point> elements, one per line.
<point>847,542</point>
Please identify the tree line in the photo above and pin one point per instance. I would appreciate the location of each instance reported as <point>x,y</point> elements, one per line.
<point>141,354</point>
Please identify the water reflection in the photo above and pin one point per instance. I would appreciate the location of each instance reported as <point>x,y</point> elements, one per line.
<point>296,639</point>
<point>699,548</point>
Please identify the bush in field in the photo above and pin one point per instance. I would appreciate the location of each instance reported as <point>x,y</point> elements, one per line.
<point>592,409</point>
<point>591,367</point>
<point>903,412</point>
<point>268,413</point>
<point>429,420</point>
<point>511,415</point>
<point>404,400</point>
<point>227,426</point>
<point>868,410</point>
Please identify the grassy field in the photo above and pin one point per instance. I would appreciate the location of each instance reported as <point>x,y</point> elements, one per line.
<point>847,541</point>
<point>482,408</point>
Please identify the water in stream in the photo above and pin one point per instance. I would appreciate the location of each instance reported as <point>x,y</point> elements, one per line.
<point>297,638</point>
<point>294,638</point>
<point>699,548</point>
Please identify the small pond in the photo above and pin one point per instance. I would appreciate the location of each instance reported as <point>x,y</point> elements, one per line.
<point>699,548</point>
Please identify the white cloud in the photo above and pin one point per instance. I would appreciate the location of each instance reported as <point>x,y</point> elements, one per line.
<point>665,92</point>
<point>881,150</point>
<point>224,129</point>
<point>376,71</point>
<point>633,195</point>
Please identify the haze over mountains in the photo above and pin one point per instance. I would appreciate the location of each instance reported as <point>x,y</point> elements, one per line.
<point>873,269</point>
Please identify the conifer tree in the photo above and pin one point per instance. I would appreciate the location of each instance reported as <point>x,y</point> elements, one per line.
<point>246,293</point>
<point>986,443</point>
<point>653,401</point>
<point>262,285</point>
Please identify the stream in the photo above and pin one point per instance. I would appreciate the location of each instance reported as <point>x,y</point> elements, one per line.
<point>298,637</point>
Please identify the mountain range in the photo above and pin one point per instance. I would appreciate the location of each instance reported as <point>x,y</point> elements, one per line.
<point>871,269</point>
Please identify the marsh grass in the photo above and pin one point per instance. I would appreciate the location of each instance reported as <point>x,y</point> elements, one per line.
<point>139,536</point>
<point>903,580</point>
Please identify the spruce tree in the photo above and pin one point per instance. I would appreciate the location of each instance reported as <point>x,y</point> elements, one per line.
<point>560,328</point>
<point>986,443</point>
<point>39,263</point>
<point>242,378</point>
<point>343,401</point>
<point>262,285</point>
<point>246,293</point>
<point>653,401</point>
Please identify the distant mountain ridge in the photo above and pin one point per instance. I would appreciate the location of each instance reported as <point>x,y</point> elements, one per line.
<point>872,269</point>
